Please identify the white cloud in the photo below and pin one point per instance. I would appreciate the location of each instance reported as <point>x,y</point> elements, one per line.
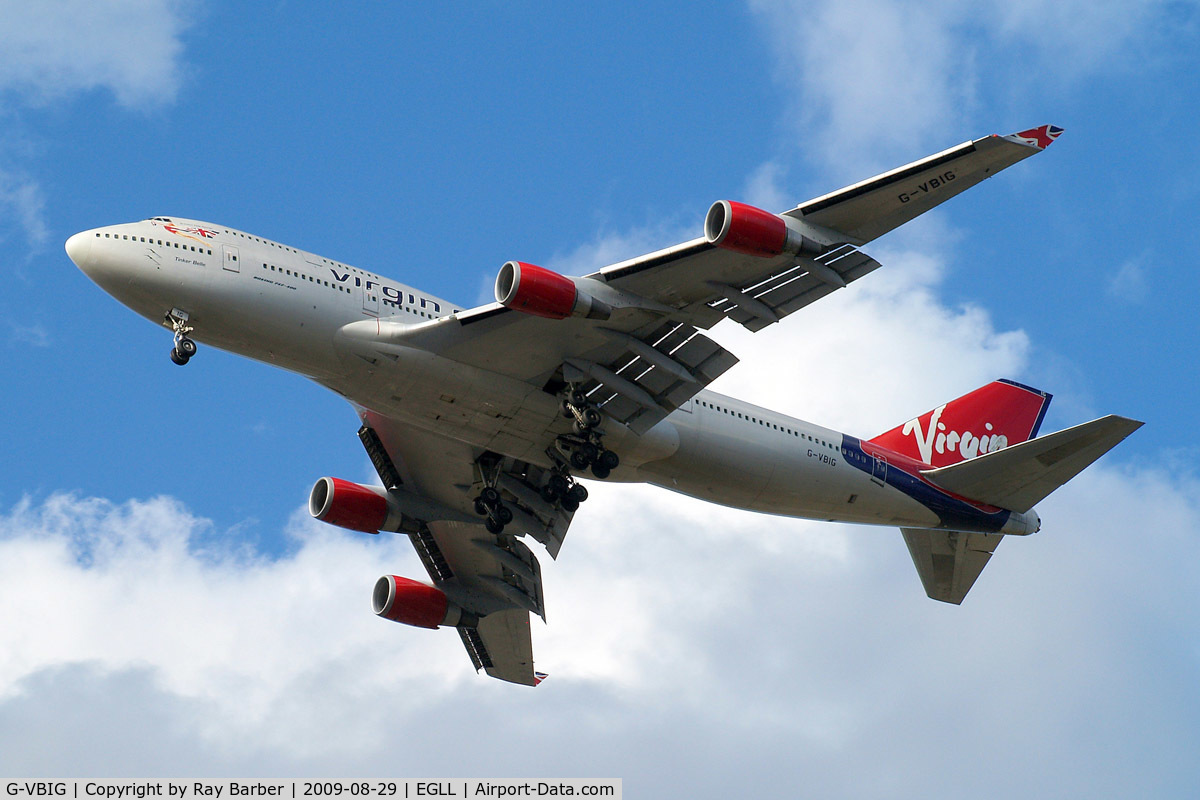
<point>611,247</point>
<point>1129,283</point>
<point>22,199</point>
<point>869,79</point>
<point>765,190</point>
<point>871,83</point>
<point>53,48</point>
<point>35,334</point>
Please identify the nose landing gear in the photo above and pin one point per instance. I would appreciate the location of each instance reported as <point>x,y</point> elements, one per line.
<point>184,347</point>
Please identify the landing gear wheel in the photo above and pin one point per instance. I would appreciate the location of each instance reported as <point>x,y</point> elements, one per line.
<point>589,451</point>
<point>504,514</point>
<point>578,461</point>
<point>609,460</point>
<point>493,525</point>
<point>556,486</point>
<point>578,493</point>
<point>178,359</point>
<point>591,416</point>
<point>481,508</point>
<point>570,504</point>
<point>565,408</point>
<point>490,497</point>
<point>600,471</point>
<point>580,429</point>
<point>578,399</point>
<point>185,347</point>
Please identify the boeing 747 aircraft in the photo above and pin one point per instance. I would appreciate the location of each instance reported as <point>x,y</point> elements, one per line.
<point>481,421</point>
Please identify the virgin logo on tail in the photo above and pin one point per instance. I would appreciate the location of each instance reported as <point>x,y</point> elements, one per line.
<point>987,419</point>
<point>937,439</point>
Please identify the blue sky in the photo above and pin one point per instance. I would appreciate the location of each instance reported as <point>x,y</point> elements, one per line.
<point>433,146</point>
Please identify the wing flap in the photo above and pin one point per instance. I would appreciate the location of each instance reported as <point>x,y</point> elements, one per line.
<point>652,377</point>
<point>949,562</point>
<point>1021,475</point>
<point>507,645</point>
<point>796,286</point>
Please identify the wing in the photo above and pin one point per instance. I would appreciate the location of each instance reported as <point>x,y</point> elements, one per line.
<point>496,578</point>
<point>648,356</point>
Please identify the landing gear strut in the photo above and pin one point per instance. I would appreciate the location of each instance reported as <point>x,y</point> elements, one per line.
<point>184,347</point>
<point>489,503</point>
<point>586,447</point>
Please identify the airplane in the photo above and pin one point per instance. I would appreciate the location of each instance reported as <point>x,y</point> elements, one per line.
<point>481,422</point>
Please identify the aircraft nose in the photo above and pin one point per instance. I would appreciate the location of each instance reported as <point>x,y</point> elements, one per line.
<point>79,249</point>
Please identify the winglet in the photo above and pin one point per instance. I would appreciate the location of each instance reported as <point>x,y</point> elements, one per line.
<point>538,677</point>
<point>1040,137</point>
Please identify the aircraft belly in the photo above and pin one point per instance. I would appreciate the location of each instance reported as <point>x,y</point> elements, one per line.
<point>714,461</point>
<point>297,336</point>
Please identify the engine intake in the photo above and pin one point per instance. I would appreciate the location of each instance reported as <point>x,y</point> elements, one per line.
<point>752,231</point>
<point>415,603</point>
<point>544,293</point>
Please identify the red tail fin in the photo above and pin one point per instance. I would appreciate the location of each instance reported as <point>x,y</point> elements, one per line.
<point>989,418</point>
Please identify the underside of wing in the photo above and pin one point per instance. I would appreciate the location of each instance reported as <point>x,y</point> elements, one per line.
<point>493,577</point>
<point>871,208</point>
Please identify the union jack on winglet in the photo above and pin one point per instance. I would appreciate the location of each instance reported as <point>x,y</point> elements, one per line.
<point>538,677</point>
<point>1041,137</point>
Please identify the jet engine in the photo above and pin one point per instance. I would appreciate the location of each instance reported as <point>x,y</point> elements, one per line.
<point>418,604</point>
<point>544,293</point>
<point>752,231</point>
<point>354,506</point>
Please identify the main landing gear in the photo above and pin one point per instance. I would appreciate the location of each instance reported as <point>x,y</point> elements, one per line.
<point>184,347</point>
<point>585,446</point>
<point>489,505</point>
<point>537,493</point>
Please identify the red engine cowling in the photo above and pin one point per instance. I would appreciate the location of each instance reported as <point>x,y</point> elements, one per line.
<point>750,230</point>
<point>348,505</point>
<point>414,603</point>
<point>544,293</point>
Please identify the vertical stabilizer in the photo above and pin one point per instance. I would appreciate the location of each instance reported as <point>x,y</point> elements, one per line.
<point>989,418</point>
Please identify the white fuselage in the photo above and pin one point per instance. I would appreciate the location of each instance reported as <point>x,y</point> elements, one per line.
<point>288,308</point>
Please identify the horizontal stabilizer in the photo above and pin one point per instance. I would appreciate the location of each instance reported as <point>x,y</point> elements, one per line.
<point>949,561</point>
<point>1019,476</point>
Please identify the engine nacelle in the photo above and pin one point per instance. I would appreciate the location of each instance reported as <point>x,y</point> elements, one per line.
<point>415,603</point>
<point>544,293</point>
<point>354,506</point>
<point>750,230</point>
